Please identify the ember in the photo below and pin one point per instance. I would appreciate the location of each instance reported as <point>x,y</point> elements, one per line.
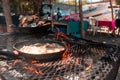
<point>31,69</point>
<point>15,62</point>
<point>62,35</point>
<point>77,60</point>
<point>33,61</point>
<point>66,54</point>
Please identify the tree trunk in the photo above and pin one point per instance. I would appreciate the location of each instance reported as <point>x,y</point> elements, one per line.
<point>81,19</point>
<point>7,14</point>
<point>111,9</point>
<point>19,9</point>
<point>40,7</point>
<point>75,6</point>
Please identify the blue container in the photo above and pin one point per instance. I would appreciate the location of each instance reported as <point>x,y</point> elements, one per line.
<point>73,28</point>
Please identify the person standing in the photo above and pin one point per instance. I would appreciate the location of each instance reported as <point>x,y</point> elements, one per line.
<point>59,15</point>
<point>117,23</point>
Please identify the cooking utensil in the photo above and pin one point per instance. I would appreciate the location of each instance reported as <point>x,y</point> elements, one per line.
<point>45,56</point>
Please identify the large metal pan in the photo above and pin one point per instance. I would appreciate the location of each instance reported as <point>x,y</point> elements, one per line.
<point>42,57</point>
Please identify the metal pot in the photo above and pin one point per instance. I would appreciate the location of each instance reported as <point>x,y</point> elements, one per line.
<point>45,56</point>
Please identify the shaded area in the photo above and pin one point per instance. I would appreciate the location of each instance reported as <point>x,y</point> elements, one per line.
<point>15,19</point>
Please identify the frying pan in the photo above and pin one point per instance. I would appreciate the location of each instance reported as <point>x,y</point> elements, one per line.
<point>42,57</point>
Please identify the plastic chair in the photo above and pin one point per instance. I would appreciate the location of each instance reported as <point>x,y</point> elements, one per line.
<point>94,25</point>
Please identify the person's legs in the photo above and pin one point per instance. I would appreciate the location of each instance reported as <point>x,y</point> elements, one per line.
<point>117,24</point>
<point>114,32</point>
<point>118,31</point>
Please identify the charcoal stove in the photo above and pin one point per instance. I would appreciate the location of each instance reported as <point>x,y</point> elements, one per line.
<point>84,60</point>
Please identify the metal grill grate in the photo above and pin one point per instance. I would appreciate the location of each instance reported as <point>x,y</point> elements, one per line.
<point>70,69</point>
<point>89,61</point>
<point>92,63</point>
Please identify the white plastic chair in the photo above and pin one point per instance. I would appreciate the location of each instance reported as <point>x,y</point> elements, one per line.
<point>93,25</point>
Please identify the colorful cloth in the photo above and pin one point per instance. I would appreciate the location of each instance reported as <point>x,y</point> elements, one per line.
<point>110,24</point>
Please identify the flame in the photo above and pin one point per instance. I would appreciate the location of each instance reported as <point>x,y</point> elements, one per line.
<point>57,78</point>
<point>34,70</point>
<point>66,54</point>
<point>33,61</point>
<point>15,62</point>
<point>38,65</point>
<point>77,60</point>
<point>61,34</point>
<point>89,67</point>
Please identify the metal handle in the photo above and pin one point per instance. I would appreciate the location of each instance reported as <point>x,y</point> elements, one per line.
<point>8,53</point>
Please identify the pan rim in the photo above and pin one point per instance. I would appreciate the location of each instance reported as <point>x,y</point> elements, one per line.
<point>53,41</point>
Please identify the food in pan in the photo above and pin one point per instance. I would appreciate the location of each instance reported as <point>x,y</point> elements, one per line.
<point>42,48</point>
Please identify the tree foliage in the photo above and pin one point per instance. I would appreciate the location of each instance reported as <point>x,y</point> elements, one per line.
<point>118,2</point>
<point>18,6</point>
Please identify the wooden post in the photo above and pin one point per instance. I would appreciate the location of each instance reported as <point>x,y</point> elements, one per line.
<point>81,19</point>
<point>75,6</point>
<point>111,9</point>
<point>7,14</point>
